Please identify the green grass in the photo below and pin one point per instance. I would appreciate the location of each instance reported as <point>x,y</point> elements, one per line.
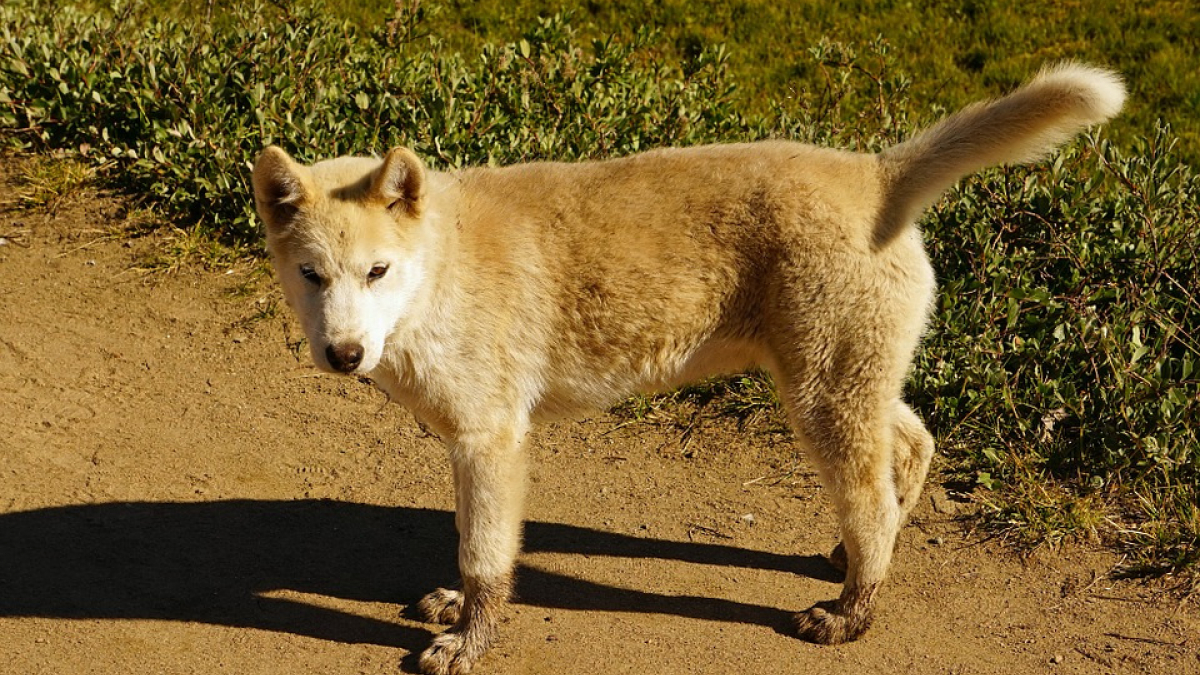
<point>956,51</point>
<point>45,181</point>
<point>1060,373</point>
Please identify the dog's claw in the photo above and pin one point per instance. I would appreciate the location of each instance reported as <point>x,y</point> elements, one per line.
<point>450,654</point>
<point>441,606</point>
<point>824,624</point>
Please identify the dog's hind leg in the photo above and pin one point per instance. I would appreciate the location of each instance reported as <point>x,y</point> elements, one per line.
<point>841,389</point>
<point>912,452</point>
<point>489,486</point>
<point>853,452</point>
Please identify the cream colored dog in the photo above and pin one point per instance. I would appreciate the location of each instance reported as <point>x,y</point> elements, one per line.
<point>486,299</point>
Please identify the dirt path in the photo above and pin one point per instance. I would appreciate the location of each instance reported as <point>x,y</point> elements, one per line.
<point>179,493</point>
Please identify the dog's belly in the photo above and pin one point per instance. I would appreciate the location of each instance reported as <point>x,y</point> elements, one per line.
<point>583,390</point>
<point>717,357</point>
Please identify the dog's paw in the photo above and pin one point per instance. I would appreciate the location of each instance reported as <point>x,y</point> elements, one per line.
<point>451,653</point>
<point>825,624</point>
<point>441,606</point>
<point>838,558</point>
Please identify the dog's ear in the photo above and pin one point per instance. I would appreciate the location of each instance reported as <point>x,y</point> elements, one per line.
<point>280,188</point>
<point>400,183</point>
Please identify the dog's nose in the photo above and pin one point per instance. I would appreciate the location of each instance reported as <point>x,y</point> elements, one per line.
<point>344,358</point>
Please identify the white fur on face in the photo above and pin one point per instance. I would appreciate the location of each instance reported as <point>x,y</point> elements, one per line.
<point>346,307</point>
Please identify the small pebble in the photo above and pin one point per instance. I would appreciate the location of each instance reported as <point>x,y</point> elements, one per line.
<point>749,519</point>
<point>937,541</point>
<point>1056,659</point>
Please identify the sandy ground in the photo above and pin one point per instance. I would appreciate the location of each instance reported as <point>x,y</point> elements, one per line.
<point>180,492</point>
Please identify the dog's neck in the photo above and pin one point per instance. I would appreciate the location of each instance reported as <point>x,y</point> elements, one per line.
<point>404,372</point>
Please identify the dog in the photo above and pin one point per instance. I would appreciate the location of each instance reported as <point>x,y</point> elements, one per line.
<point>487,299</point>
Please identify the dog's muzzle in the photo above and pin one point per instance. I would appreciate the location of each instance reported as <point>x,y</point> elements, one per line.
<point>344,358</point>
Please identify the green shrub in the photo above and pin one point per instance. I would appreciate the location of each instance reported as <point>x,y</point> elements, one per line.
<point>1066,338</point>
<point>177,111</point>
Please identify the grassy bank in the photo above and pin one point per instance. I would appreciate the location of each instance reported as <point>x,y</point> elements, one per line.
<point>956,51</point>
<point>1060,373</point>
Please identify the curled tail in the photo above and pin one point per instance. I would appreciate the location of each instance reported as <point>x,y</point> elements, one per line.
<point>1021,127</point>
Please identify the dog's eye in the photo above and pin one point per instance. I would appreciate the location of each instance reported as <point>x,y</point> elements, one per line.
<point>377,273</point>
<point>310,275</point>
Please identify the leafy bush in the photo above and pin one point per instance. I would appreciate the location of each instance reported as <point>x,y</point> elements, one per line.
<point>1060,374</point>
<point>982,47</point>
<point>1066,338</point>
<point>182,109</point>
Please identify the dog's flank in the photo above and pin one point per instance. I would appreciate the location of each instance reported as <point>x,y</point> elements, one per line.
<point>487,299</point>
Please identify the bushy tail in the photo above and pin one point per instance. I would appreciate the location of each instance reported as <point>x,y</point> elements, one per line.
<point>1021,127</point>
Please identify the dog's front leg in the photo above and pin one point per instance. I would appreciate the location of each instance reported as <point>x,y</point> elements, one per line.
<point>489,487</point>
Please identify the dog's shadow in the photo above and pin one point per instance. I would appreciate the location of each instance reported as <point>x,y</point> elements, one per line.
<point>217,562</point>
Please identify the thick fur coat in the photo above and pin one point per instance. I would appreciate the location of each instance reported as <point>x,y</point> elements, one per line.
<point>490,298</point>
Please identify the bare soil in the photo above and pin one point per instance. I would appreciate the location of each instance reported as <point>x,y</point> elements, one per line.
<point>181,492</point>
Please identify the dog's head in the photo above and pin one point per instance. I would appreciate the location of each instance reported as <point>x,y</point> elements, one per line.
<point>346,239</point>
